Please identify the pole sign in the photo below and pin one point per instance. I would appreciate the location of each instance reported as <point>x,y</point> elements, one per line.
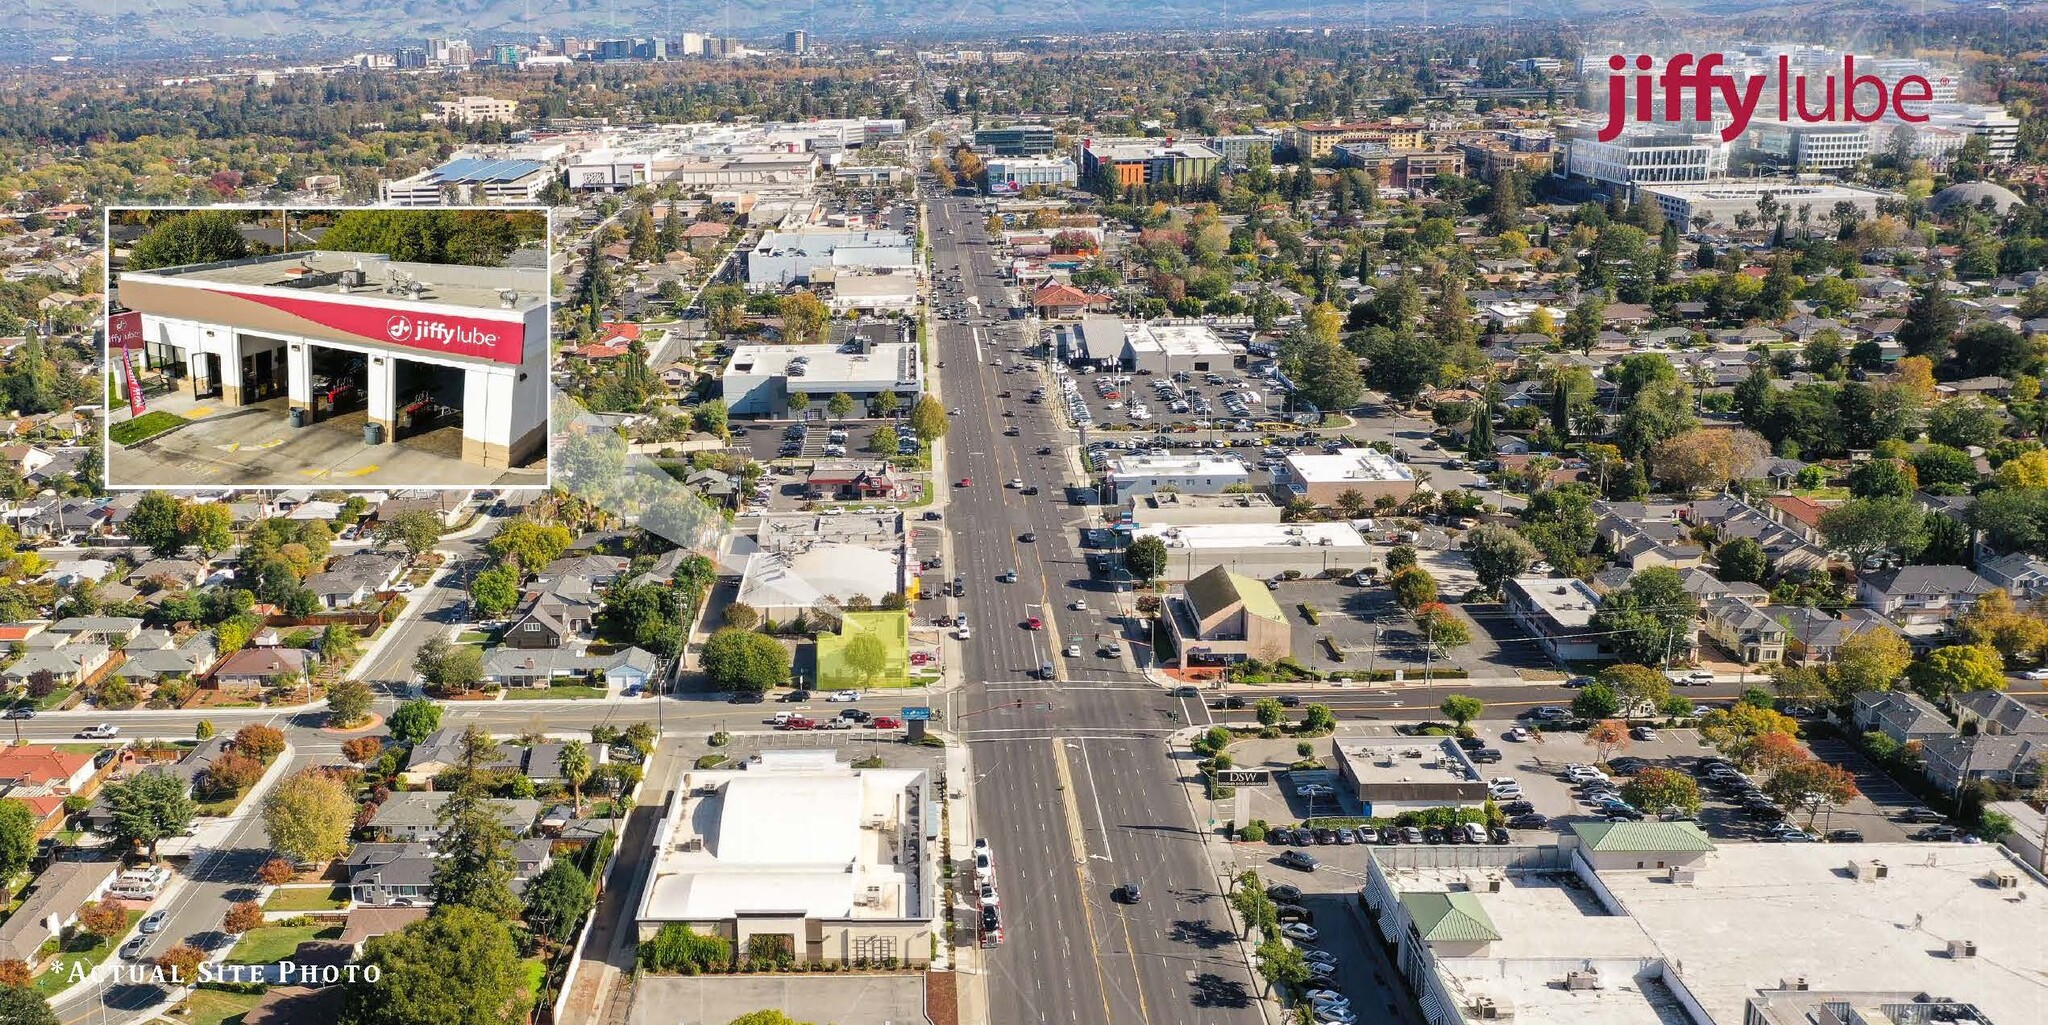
<point>448,334</point>
<point>1243,777</point>
<point>124,331</point>
<point>917,714</point>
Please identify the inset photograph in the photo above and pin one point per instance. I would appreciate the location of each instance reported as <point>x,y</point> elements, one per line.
<point>293,347</point>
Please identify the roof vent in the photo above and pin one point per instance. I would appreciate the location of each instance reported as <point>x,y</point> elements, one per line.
<point>1959,949</point>
<point>508,298</point>
<point>1584,979</point>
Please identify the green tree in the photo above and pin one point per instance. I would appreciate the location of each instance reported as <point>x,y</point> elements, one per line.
<point>199,236</point>
<point>883,441</point>
<point>1649,618</point>
<point>767,1017</point>
<point>1441,629</point>
<point>529,545</point>
<point>867,656</point>
<point>1270,712</point>
<point>1317,718</point>
<point>1882,478</point>
<point>1742,560</point>
<point>495,591</point>
<point>1871,660</point>
<point>415,720</point>
<point>1462,709</point>
<point>417,531</point>
<point>575,767</point>
<point>23,1005</point>
<point>154,524</point>
<point>483,238</point>
<point>1413,588</point>
<point>17,838</point>
<point>741,660</point>
<point>148,807</point>
<point>348,702</point>
<point>459,966</point>
<point>1654,789</point>
<point>207,526</point>
<point>474,865</point>
<point>1595,701</point>
<point>309,815</point>
<point>1959,669</point>
<point>1870,528</point>
<point>557,900</point>
<point>803,318</point>
<point>1637,686</point>
<point>1281,965</point>
<point>1498,555</point>
<point>928,420</point>
<point>1146,558</point>
<point>840,405</point>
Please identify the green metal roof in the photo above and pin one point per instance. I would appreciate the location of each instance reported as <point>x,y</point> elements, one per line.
<point>1642,837</point>
<point>1449,917</point>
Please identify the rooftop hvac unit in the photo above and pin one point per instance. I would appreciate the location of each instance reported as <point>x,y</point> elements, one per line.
<point>508,298</point>
<point>1684,875</point>
<point>1959,949</point>
<point>2002,880</point>
<point>1869,871</point>
<point>1493,883</point>
<point>1582,980</point>
<point>1492,1008</point>
<point>1797,982</point>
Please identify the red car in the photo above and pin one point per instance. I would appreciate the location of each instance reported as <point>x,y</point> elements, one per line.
<point>800,723</point>
<point>885,722</point>
<point>1034,623</point>
<point>966,482</point>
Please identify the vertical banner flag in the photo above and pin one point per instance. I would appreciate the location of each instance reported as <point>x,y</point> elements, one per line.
<point>124,332</point>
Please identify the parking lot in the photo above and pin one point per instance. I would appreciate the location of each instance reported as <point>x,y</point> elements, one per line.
<point>1375,633</point>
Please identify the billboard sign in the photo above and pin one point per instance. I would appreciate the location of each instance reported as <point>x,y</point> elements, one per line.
<point>917,714</point>
<point>445,334</point>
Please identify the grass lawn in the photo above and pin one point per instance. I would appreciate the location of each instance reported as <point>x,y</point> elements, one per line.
<point>307,898</point>
<point>58,977</point>
<point>54,698</point>
<point>277,942</point>
<point>472,637</point>
<point>217,1007</point>
<point>537,694</point>
<point>148,425</point>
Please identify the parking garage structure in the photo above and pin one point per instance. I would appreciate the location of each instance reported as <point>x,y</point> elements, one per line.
<point>417,348</point>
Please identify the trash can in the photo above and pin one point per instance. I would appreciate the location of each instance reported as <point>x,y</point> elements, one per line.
<point>298,416</point>
<point>373,433</point>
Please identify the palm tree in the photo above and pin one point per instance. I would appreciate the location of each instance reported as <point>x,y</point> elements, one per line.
<point>575,768</point>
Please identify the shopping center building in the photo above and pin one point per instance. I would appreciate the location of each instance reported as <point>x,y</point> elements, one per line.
<point>416,347</point>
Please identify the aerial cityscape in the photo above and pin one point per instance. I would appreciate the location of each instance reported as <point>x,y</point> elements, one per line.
<point>611,514</point>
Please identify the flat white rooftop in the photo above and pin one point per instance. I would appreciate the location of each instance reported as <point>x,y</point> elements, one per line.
<point>1177,466</point>
<point>821,366</point>
<point>318,272</point>
<point>1350,464</point>
<point>1256,535</point>
<point>1177,340</point>
<point>1566,601</point>
<point>795,832</point>
<point>1759,913</point>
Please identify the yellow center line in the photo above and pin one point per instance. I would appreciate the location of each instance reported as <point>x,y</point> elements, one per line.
<point>1079,849</point>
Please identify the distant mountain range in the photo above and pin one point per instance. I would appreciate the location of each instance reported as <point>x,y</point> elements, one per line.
<point>127,30</point>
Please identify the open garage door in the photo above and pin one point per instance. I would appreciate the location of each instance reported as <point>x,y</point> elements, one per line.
<point>339,381</point>
<point>428,403</point>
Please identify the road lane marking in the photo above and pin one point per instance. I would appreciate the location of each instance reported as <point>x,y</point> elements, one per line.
<point>1078,850</point>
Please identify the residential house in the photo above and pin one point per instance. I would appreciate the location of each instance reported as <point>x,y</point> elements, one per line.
<point>1922,596</point>
<point>1813,636</point>
<point>1952,762</point>
<point>441,751</point>
<point>1996,713</point>
<point>542,667</point>
<point>355,578</point>
<point>1743,630</point>
<point>71,572</point>
<point>1059,301</point>
<point>51,905</point>
<point>1799,515</point>
<point>39,765</point>
<point>447,505</point>
<point>2019,574</point>
<point>1903,716</point>
<point>1707,587</point>
<point>101,629</point>
<point>1733,518</point>
<point>536,624</point>
<point>185,659</point>
<point>598,570</point>
<point>16,635</point>
<point>257,668</point>
<point>178,573</point>
<point>71,664</point>
<point>382,875</point>
<point>530,857</point>
<point>415,815</point>
<point>715,486</point>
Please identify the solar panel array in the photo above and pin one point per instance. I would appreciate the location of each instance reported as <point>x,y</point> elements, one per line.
<point>471,171</point>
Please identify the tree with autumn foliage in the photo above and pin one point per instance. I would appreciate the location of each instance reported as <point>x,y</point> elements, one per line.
<point>181,963</point>
<point>362,750</point>
<point>277,872</point>
<point>242,917</point>
<point>105,919</point>
<point>1736,731</point>
<point>1810,785</point>
<point>1607,737</point>
<point>1655,789</point>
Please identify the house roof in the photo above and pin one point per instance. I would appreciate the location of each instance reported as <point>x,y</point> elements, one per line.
<point>2003,710</point>
<point>1450,917</point>
<point>37,764</point>
<point>264,662</point>
<point>1641,837</point>
<point>1953,580</point>
<point>1218,589</point>
<point>1907,714</point>
<point>366,923</point>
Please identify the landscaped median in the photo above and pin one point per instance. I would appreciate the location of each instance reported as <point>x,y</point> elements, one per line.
<point>144,427</point>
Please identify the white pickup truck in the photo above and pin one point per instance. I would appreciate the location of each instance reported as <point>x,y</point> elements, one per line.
<point>100,732</point>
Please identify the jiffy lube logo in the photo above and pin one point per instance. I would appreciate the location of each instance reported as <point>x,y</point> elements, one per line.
<point>1848,98</point>
<point>408,330</point>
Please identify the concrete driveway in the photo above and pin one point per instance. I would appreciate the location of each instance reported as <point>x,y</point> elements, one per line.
<point>826,1000</point>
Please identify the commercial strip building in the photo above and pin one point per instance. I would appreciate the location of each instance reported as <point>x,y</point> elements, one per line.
<point>1221,617</point>
<point>759,379</point>
<point>418,346</point>
<point>1017,140</point>
<point>1323,478</point>
<point>1315,140</point>
<point>1720,201</point>
<point>1262,550</point>
<point>1390,775</point>
<point>1652,923</point>
<point>1558,613</point>
<point>1169,508</point>
<point>1190,474</point>
<point>800,853</point>
<point>781,259</point>
<point>1005,175</point>
<point>1149,346</point>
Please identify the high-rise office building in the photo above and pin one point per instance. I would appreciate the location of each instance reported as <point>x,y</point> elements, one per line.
<point>794,41</point>
<point>411,56</point>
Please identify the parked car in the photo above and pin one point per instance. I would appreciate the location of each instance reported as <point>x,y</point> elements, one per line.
<point>1284,894</point>
<point>1300,932</point>
<point>885,722</point>
<point>1297,859</point>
